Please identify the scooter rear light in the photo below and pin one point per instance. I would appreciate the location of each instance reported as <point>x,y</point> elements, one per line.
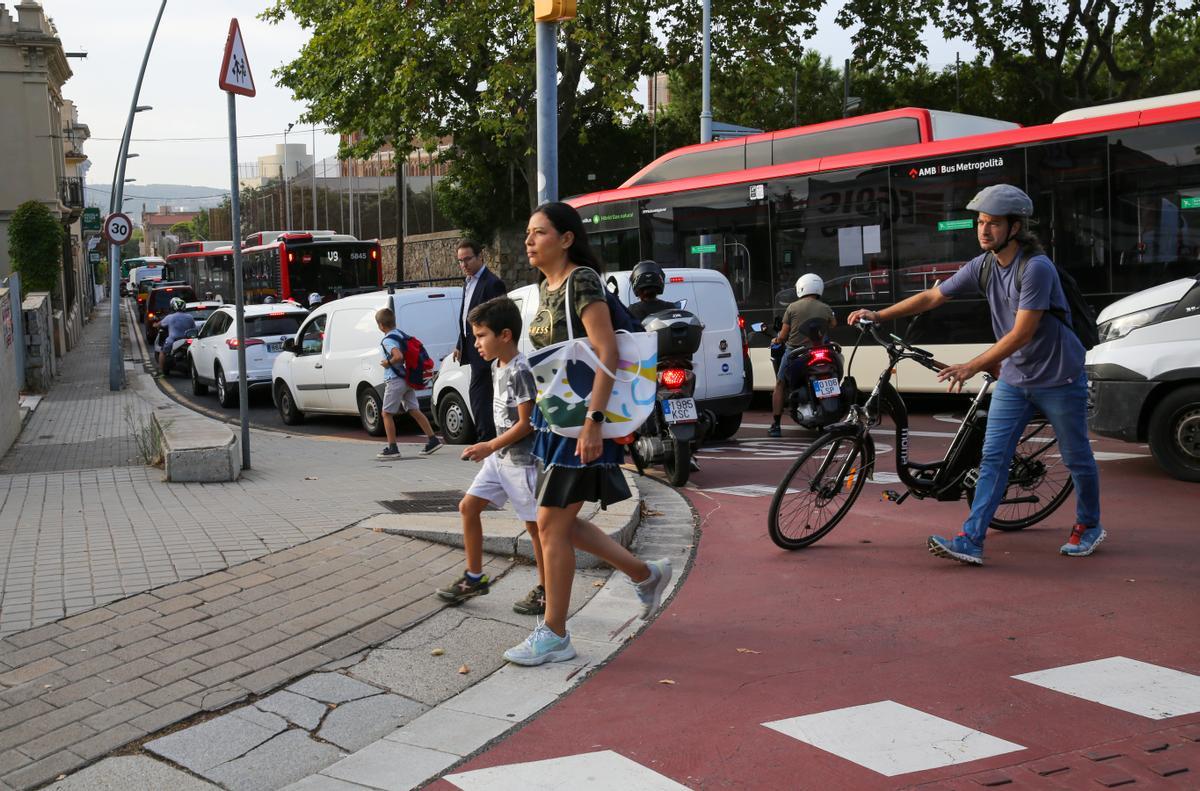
<point>672,378</point>
<point>819,356</point>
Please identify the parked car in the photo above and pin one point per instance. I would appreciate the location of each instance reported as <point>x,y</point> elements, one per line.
<point>332,364</point>
<point>157,305</point>
<point>724,379</point>
<point>1144,376</point>
<point>213,358</point>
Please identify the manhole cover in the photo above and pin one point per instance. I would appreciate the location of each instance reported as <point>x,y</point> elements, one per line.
<point>441,501</point>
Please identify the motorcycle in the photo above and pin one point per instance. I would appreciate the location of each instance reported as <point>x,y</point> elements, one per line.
<point>676,427</point>
<point>177,356</point>
<point>819,393</point>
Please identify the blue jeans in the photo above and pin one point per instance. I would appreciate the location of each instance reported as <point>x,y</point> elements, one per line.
<point>1066,408</point>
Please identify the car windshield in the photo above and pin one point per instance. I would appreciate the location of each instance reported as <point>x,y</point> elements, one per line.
<point>266,326</point>
<point>200,315</point>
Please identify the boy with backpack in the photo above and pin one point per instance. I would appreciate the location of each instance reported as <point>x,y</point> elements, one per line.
<point>404,367</point>
<point>508,473</point>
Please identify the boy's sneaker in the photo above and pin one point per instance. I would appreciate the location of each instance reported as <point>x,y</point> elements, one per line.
<point>650,590</point>
<point>433,445</point>
<point>774,431</point>
<point>389,454</point>
<point>465,588</point>
<point>960,548</point>
<point>540,647</point>
<point>1083,541</point>
<point>534,602</point>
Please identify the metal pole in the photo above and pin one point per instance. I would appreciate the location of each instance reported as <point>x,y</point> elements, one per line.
<point>846,89</point>
<point>350,197</point>
<point>239,298</point>
<point>314,184</point>
<point>287,192</point>
<point>706,79</point>
<point>378,197</point>
<point>116,368</point>
<point>547,113</point>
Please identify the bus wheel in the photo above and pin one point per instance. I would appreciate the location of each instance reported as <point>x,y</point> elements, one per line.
<point>1174,433</point>
<point>288,412</point>
<point>370,411</point>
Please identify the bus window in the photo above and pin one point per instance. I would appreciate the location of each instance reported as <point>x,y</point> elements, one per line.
<point>698,163</point>
<point>613,233</point>
<point>1068,181</point>
<point>834,225</point>
<point>846,139</point>
<point>1156,216</point>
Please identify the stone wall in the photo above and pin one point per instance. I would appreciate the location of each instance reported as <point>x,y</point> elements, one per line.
<point>39,342</point>
<point>10,411</point>
<point>431,256</point>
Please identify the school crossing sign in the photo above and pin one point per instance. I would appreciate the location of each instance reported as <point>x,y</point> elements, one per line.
<point>235,66</point>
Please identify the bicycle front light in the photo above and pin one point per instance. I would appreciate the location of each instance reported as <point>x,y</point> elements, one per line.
<point>1121,326</point>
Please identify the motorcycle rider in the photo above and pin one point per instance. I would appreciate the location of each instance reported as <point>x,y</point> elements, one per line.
<point>808,306</point>
<point>178,322</point>
<point>648,280</point>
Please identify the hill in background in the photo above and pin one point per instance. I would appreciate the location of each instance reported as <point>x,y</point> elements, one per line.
<point>151,196</point>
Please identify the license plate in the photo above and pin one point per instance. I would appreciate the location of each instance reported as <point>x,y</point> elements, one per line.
<point>827,388</point>
<point>274,347</point>
<point>680,410</point>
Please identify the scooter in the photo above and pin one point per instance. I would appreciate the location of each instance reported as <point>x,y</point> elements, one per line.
<point>819,394</point>
<point>676,427</point>
<point>176,358</point>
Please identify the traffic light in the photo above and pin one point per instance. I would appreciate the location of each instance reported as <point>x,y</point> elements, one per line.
<point>553,10</point>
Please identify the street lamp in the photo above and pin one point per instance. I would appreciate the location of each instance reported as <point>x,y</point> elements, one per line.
<point>141,108</point>
<point>287,190</point>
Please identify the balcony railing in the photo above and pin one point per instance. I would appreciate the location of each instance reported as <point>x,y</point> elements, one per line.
<point>71,192</point>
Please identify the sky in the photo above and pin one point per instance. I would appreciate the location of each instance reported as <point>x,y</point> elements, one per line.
<point>181,84</point>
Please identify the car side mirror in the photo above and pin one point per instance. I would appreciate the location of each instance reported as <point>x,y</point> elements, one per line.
<point>289,345</point>
<point>759,326</point>
<point>191,333</point>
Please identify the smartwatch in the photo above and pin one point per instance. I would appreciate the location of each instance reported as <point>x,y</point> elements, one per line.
<point>596,416</point>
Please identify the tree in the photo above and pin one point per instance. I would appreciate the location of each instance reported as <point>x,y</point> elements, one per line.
<point>35,241</point>
<point>132,248</point>
<point>183,230</point>
<point>199,227</point>
<point>464,73</point>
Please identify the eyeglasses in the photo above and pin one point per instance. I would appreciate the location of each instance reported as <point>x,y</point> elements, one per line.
<point>465,260</point>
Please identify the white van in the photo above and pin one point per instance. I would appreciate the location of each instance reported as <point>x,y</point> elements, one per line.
<point>722,366</point>
<point>332,365</point>
<point>1144,375</point>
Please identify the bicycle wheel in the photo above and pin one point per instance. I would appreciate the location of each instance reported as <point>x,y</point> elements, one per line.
<point>1038,480</point>
<point>827,479</point>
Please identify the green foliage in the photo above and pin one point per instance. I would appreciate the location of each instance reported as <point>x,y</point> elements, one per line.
<point>35,240</point>
<point>133,248</point>
<point>183,230</point>
<point>199,228</point>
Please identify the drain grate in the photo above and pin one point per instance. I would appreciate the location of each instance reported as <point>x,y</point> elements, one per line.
<point>435,502</point>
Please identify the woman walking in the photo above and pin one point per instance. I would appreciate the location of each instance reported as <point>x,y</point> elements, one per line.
<point>572,471</point>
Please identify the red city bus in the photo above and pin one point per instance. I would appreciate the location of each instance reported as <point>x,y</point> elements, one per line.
<point>282,265</point>
<point>1116,193</point>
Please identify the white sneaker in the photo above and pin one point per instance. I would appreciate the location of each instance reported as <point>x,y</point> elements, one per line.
<point>650,591</point>
<point>540,647</point>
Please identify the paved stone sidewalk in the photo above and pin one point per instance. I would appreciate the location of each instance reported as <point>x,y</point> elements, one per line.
<point>71,540</point>
<point>77,689</point>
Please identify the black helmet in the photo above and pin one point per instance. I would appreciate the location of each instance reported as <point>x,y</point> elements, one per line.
<point>648,275</point>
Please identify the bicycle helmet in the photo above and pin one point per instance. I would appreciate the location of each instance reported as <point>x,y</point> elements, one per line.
<point>1002,200</point>
<point>648,276</point>
<point>177,304</point>
<point>810,284</point>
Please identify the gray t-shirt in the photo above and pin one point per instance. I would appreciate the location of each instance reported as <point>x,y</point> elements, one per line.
<point>1055,356</point>
<point>512,384</point>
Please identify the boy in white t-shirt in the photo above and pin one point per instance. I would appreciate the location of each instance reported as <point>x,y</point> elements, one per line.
<point>509,473</point>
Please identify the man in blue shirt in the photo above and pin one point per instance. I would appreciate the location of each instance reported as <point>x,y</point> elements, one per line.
<point>177,323</point>
<point>1039,360</point>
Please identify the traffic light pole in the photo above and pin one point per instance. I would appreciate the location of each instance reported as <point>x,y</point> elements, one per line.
<point>706,78</point>
<point>547,111</point>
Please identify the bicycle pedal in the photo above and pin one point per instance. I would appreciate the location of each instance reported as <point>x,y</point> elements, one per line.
<point>891,495</point>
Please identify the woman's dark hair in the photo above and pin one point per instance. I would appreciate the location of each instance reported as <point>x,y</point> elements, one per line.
<point>564,218</point>
<point>1026,239</point>
<point>497,314</point>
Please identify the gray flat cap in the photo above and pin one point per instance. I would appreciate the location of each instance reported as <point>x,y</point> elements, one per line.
<point>1002,200</point>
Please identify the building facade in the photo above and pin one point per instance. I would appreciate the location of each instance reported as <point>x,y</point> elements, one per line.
<point>157,238</point>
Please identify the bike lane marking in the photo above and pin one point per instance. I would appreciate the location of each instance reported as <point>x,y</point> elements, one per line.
<point>1126,684</point>
<point>598,771</point>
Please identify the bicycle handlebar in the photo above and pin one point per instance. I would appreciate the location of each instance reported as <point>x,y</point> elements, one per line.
<point>895,345</point>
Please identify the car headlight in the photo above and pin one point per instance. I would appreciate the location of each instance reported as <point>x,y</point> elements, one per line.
<point>1123,325</point>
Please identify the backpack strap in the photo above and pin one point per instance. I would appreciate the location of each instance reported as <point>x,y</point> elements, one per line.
<point>400,338</point>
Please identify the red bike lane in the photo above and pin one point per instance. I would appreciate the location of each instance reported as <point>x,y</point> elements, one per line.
<point>887,642</point>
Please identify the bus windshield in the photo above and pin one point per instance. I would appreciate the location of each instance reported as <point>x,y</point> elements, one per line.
<point>324,268</point>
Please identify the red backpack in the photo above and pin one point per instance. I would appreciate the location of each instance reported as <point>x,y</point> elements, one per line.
<point>418,365</point>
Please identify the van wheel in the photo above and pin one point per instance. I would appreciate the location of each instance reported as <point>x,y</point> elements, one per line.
<point>726,426</point>
<point>1174,433</point>
<point>198,388</point>
<point>370,411</point>
<point>455,420</point>
<point>225,397</point>
<point>288,412</point>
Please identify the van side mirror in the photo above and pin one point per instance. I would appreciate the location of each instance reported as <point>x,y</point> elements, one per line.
<point>759,326</point>
<point>289,345</point>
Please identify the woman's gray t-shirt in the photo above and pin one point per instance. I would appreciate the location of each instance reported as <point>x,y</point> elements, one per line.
<point>1055,355</point>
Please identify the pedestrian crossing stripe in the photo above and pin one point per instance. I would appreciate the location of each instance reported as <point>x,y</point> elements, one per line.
<point>1126,684</point>
<point>598,771</point>
<point>891,738</point>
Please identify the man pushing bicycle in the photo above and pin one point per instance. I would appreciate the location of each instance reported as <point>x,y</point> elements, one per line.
<point>1040,361</point>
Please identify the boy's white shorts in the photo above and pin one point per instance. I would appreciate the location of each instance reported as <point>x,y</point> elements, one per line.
<point>499,482</point>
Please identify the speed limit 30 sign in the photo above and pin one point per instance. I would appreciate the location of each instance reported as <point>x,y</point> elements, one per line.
<point>118,228</point>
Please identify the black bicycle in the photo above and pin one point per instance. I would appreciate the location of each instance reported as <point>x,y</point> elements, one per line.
<point>824,482</point>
